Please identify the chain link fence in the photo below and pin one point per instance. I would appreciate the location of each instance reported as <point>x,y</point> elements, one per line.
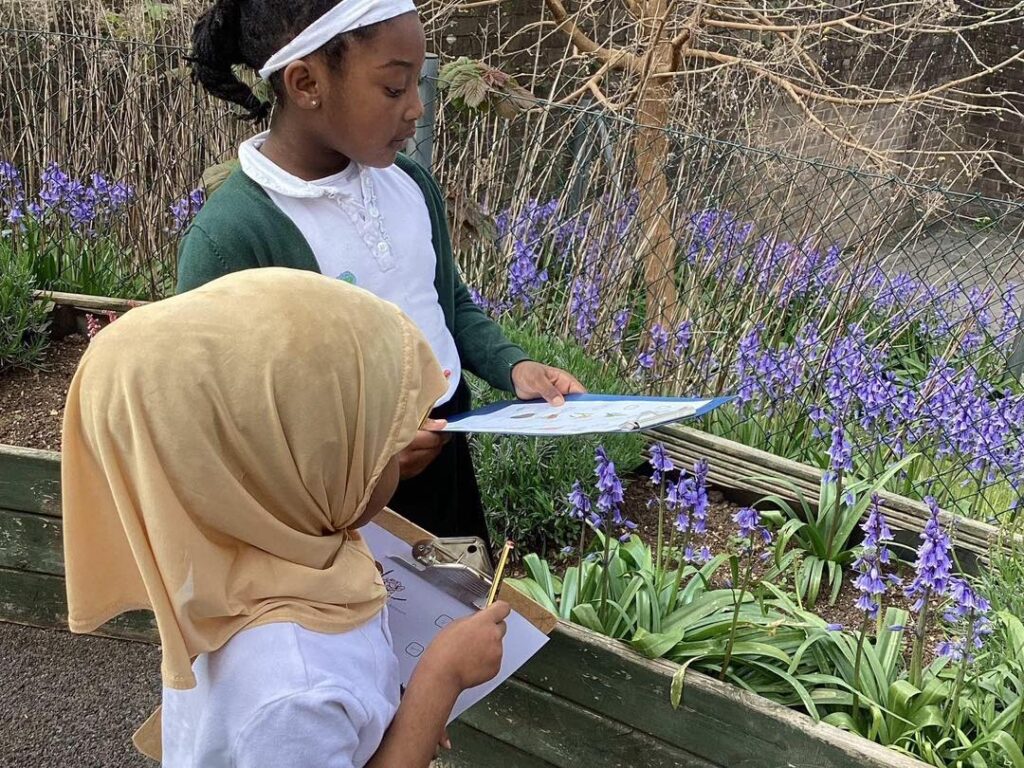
<point>860,318</point>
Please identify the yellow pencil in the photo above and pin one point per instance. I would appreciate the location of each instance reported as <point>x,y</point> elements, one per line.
<point>501,569</point>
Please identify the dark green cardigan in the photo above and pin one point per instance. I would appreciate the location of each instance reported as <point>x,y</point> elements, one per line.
<point>240,227</point>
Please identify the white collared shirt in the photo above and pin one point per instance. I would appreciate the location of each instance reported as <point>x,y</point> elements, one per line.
<point>341,229</point>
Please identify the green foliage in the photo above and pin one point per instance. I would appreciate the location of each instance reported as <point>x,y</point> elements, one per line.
<point>23,321</point>
<point>525,480</point>
<point>823,535</point>
<point>473,85</point>
<point>96,264</point>
<point>967,714</point>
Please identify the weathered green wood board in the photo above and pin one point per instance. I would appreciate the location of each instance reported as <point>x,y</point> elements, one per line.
<point>30,480</point>
<point>39,599</point>
<point>31,542</point>
<point>716,721</point>
<point>472,749</point>
<point>567,735</point>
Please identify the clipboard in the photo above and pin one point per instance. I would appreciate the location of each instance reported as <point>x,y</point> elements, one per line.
<point>447,561</point>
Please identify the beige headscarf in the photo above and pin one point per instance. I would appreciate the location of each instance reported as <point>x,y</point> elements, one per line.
<point>219,444</point>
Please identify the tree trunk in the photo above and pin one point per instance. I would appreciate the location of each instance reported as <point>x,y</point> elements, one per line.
<point>651,150</point>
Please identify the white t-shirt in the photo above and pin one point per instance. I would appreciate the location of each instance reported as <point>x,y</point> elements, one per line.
<point>280,696</point>
<point>342,229</point>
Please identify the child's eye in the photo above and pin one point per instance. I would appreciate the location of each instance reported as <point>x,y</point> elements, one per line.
<point>394,93</point>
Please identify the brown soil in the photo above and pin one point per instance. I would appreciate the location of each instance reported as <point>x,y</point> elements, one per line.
<point>32,401</point>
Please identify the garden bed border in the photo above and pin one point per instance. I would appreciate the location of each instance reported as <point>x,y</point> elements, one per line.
<point>737,466</point>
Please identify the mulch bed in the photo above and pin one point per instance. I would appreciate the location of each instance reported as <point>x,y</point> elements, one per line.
<point>32,400</point>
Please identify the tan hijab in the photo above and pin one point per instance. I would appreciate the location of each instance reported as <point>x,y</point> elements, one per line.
<point>219,444</point>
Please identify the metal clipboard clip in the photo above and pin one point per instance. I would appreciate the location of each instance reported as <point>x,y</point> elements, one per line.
<point>459,566</point>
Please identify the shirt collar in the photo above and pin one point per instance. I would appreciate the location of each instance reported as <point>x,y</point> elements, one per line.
<point>271,176</point>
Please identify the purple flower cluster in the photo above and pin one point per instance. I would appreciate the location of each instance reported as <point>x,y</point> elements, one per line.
<point>185,209</point>
<point>619,324</point>
<point>686,497</point>
<point>748,524</point>
<point>908,371</point>
<point>952,412</point>
<point>580,506</point>
<point>769,378</point>
<point>934,562</point>
<point>527,235</point>
<point>606,513</point>
<point>870,564</point>
<point>660,462</point>
<point>609,490</point>
<point>967,615</point>
<point>82,205</point>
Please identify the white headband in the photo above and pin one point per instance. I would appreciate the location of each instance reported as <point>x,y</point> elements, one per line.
<point>344,17</point>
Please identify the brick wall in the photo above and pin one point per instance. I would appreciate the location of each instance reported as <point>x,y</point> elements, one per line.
<point>1002,134</point>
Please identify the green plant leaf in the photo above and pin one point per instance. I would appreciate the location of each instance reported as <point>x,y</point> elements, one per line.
<point>586,616</point>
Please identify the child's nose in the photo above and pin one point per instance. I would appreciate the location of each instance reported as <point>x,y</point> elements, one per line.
<point>414,111</point>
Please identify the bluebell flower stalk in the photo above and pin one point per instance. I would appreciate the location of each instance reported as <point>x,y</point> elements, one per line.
<point>931,580</point>
<point>752,533</point>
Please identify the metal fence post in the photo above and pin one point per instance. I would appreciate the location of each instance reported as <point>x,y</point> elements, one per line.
<point>423,142</point>
<point>1016,362</point>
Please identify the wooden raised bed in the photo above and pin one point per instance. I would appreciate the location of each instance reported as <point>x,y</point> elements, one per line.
<point>583,702</point>
<point>737,466</point>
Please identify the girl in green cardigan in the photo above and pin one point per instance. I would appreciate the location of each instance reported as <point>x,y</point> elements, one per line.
<point>325,189</point>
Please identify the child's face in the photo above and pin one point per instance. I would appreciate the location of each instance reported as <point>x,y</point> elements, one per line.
<point>381,494</point>
<point>370,106</point>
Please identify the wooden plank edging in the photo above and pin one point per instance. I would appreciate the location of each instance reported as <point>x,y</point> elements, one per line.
<point>86,302</point>
<point>30,480</point>
<point>733,464</point>
<point>717,721</point>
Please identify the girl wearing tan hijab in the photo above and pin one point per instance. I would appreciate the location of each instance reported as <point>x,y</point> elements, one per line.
<point>221,450</point>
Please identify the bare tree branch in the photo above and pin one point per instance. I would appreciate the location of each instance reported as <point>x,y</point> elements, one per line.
<point>616,58</point>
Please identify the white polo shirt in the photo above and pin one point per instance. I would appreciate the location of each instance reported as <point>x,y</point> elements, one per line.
<point>342,230</point>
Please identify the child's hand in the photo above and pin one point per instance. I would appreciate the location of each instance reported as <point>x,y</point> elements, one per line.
<point>533,380</point>
<point>468,651</point>
<point>423,449</point>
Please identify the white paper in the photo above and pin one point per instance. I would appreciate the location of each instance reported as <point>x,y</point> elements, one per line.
<point>578,416</point>
<point>418,611</point>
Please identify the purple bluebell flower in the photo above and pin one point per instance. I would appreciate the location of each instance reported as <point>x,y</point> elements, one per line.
<point>748,521</point>
<point>185,209</point>
<point>580,506</point>
<point>584,304</point>
<point>683,335</point>
<point>967,615</point>
<point>660,462</point>
<point>934,564</point>
<point>609,487</point>
<point>659,338</point>
<point>872,581</point>
<point>619,323</point>
<point>840,454</point>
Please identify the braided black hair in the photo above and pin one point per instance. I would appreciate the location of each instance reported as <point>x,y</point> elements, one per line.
<point>249,32</point>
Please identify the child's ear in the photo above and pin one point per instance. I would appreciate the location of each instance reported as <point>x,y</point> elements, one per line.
<point>301,84</point>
